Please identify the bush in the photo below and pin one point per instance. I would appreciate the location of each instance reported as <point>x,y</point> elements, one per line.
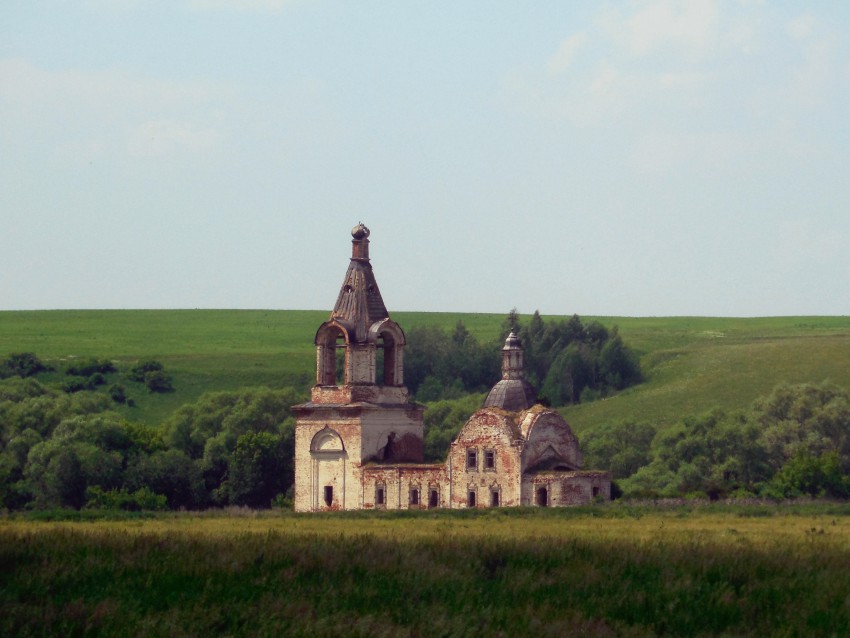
<point>74,385</point>
<point>139,371</point>
<point>89,367</point>
<point>118,393</point>
<point>158,381</point>
<point>22,364</point>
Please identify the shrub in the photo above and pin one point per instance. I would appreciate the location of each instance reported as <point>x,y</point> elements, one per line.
<point>89,367</point>
<point>22,364</point>
<point>74,385</point>
<point>142,368</point>
<point>158,381</point>
<point>118,393</point>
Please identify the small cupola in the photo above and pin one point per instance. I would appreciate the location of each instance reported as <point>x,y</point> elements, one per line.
<point>513,392</point>
<point>512,358</point>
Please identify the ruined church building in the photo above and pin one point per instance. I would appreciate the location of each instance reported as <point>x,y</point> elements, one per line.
<point>359,440</point>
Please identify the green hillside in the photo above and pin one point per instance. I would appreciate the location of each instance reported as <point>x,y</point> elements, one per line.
<point>691,364</point>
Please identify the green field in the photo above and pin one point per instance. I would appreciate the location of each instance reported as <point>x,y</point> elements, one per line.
<point>747,570</point>
<point>691,364</point>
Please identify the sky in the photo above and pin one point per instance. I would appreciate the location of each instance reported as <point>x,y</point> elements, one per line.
<point>601,158</point>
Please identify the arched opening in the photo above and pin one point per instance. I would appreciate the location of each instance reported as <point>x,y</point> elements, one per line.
<point>331,346</point>
<point>433,498</point>
<point>340,352</point>
<point>542,496</point>
<point>389,343</point>
<point>385,364</point>
<point>380,361</point>
<point>414,497</point>
<point>494,497</point>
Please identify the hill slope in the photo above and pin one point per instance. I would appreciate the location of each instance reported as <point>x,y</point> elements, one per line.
<point>691,364</point>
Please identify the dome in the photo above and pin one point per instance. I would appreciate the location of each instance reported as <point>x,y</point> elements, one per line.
<point>513,395</point>
<point>360,231</point>
<point>512,342</point>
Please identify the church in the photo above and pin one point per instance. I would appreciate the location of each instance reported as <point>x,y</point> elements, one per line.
<point>359,440</point>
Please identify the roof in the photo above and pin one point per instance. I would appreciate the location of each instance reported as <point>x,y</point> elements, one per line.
<point>513,395</point>
<point>359,304</point>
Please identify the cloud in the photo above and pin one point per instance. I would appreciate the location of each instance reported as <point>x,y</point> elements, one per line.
<point>688,27</point>
<point>560,62</point>
<point>68,113</point>
<point>691,82</point>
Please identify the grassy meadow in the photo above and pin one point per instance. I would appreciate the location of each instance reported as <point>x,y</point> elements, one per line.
<point>691,364</point>
<point>616,570</point>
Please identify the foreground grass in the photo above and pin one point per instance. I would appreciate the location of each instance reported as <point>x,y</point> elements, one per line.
<point>604,571</point>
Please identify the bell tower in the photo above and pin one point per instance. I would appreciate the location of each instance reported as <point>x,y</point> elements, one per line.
<point>359,409</point>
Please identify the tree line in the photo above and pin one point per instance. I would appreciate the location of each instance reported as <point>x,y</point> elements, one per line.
<point>566,360</point>
<point>71,449</point>
<point>794,442</point>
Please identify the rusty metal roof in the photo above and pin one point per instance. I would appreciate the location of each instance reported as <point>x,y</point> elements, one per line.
<point>359,304</point>
<point>513,395</point>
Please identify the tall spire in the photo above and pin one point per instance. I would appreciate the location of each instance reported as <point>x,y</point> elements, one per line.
<point>359,304</point>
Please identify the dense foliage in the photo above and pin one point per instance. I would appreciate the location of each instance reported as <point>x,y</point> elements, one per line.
<point>71,450</point>
<point>438,365</point>
<point>569,361</point>
<point>794,442</point>
<point>565,360</point>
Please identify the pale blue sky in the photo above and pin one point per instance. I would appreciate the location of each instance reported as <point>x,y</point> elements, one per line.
<point>622,158</point>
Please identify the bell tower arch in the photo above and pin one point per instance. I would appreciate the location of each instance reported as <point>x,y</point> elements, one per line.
<point>359,391</point>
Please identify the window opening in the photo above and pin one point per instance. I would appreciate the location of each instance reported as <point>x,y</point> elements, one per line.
<point>380,367</point>
<point>434,499</point>
<point>414,497</point>
<point>472,459</point>
<point>595,491</point>
<point>380,497</point>
<point>385,360</point>
<point>329,495</point>
<point>542,496</point>
<point>494,498</point>
<point>489,460</point>
<point>470,499</point>
<point>340,360</point>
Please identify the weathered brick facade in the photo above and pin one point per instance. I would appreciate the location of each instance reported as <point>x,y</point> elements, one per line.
<point>359,440</point>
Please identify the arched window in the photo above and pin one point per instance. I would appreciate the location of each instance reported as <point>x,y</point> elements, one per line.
<point>389,346</point>
<point>331,348</point>
<point>542,496</point>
